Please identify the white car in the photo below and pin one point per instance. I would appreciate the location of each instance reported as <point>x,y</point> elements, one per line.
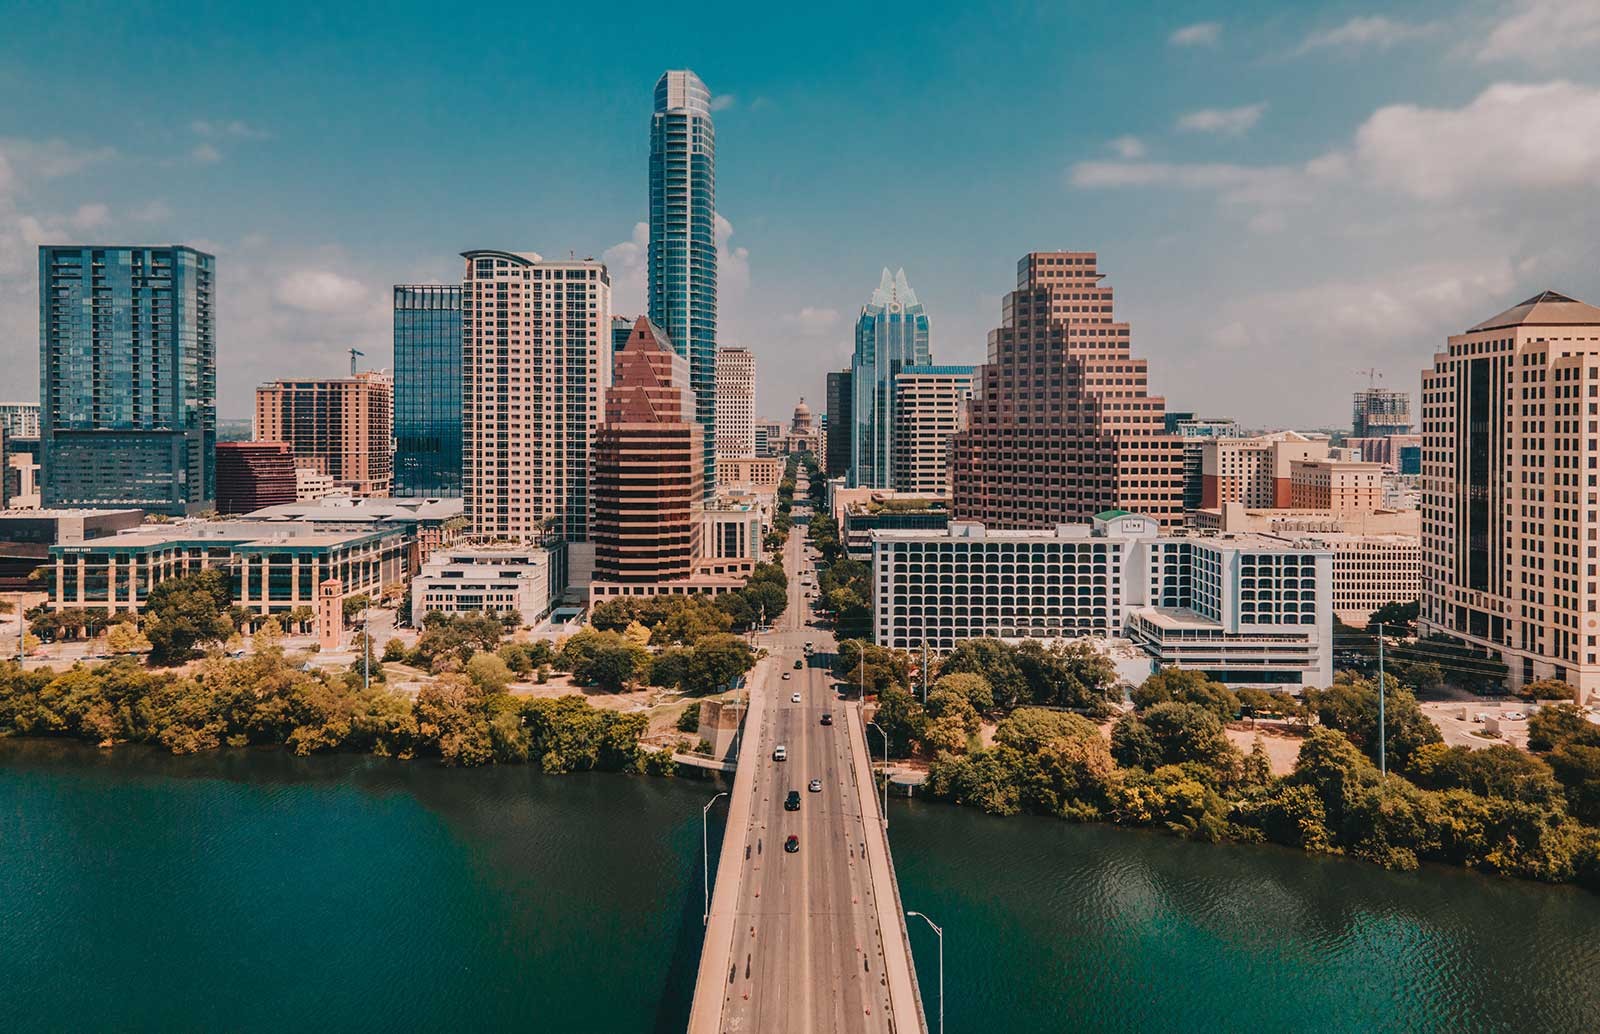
<point>794,698</point>
<point>780,754</point>
<point>1513,716</point>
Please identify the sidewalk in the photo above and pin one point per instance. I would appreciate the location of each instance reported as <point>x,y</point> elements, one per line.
<point>905,1003</point>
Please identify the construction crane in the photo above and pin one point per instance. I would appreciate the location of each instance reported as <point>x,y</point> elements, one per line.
<point>1373,374</point>
<point>353,353</point>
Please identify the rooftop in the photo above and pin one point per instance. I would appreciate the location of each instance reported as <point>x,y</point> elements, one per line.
<point>1544,308</point>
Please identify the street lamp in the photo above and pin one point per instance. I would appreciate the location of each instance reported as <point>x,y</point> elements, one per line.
<point>885,736</point>
<point>705,858</point>
<point>940,931</point>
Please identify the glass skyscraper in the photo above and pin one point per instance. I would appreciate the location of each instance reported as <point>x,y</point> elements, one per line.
<point>683,238</point>
<point>127,377</point>
<point>891,334</point>
<point>427,390</point>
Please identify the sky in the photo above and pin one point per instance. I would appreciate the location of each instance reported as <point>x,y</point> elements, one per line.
<point>1282,195</point>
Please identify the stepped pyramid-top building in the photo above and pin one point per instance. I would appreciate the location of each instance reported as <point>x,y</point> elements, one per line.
<point>1061,425</point>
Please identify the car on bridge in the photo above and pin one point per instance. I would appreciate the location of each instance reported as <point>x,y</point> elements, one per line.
<point>792,844</point>
<point>794,698</point>
<point>799,664</point>
<point>780,754</point>
<point>827,718</point>
<point>792,802</point>
<point>815,786</point>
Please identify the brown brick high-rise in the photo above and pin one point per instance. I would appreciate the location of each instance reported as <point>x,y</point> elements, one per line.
<point>1062,426</point>
<point>648,485</point>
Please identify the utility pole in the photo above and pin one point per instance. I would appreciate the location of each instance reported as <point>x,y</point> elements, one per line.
<point>924,673</point>
<point>1383,730</point>
<point>366,643</point>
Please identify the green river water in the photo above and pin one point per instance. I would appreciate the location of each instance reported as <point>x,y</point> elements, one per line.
<point>254,891</point>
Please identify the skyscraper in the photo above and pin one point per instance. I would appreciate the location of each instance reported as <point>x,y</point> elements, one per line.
<point>536,363</point>
<point>127,377</point>
<point>427,389</point>
<point>929,408</point>
<point>891,334</point>
<point>340,427</point>
<point>840,402</point>
<point>1509,523</point>
<point>736,402</point>
<point>1062,425</point>
<point>647,465</point>
<point>1380,412</point>
<point>683,238</point>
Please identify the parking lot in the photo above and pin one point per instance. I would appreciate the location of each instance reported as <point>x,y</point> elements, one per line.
<point>1455,720</point>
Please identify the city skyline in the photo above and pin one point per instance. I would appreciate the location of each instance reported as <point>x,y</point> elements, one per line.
<point>1195,184</point>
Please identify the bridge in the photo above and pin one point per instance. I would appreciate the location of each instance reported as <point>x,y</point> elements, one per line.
<point>813,940</point>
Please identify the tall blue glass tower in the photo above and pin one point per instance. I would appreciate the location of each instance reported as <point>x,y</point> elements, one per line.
<point>127,378</point>
<point>683,238</point>
<point>427,390</point>
<point>891,334</point>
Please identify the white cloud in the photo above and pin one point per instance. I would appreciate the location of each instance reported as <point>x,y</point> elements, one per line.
<point>1510,137</point>
<point>813,320</point>
<point>626,262</point>
<point>1225,121</point>
<point>733,264</point>
<point>1201,34</point>
<point>1127,147</point>
<point>205,154</point>
<point>23,161</point>
<point>151,212</point>
<point>723,101</point>
<point>320,290</point>
<point>1237,184</point>
<point>90,216</point>
<point>1542,32</point>
<point>232,128</point>
<point>1368,31</point>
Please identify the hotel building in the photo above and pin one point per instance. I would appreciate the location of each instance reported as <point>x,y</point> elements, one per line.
<point>736,402</point>
<point>930,404</point>
<point>340,427</point>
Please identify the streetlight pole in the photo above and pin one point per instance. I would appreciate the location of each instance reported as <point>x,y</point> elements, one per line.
<point>705,860</point>
<point>1383,732</point>
<point>939,930</point>
<point>366,646</point>
<point>885,736</point>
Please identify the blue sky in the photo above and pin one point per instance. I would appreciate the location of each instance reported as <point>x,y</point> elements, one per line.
<point>1281,194</point>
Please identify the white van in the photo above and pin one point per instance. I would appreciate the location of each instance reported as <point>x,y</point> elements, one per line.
<point>780,754</point>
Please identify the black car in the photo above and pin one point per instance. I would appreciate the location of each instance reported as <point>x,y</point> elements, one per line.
<point>799,664</point>
<point>827,718</point>
<point>792,844</point>
<point>792,802</point>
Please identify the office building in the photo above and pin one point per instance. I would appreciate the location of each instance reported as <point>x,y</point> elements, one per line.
<point>340,427</point>
<point>682,275</point>
<point>1509,484</point>
<point>521,578</point>
<point>19,419</point>
<point>1246,610</point>
<point>1380,412</point>
<point>1254,471</point>
<point>1335,484</point>
<point>648,500</point>
<point>127,377</point>
<point>891,334</point>
<point>768,436</point>
<point>27,535</point>
<point>760,474</point>
<point>841,403</point>
<point>736,402</point>
<point>427,390</point>
<point>1062,425</point>
<point>272,566</point>
<point>536,365</point>
<point>430,523</point>
<point>929,407</point>
<point>251,475</point>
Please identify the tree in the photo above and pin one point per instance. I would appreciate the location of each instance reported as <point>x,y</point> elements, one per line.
<point>1173,733</point>
<point>394,650</point>
<point>615,665</point>
<point>1257,769</point>
<point>1351,706</point>
<point>944,704</point>
<point>974,688</point>
<point>269,636</point>
<point>995,661</point>
<point>614,615</point>
<point>489,673</point>
<point>1498,771</point>
<point>125,637</point>
<point>354,605</point>
<point>1397,618</point>
<point>1028,729</point>
<point>1192,687</point>
<point>185,612</point>
<point>1576,764</point>
<point>1554,723</point>
<point>1546,689</point>
<point>637,634</point>
<point>451,719</point>
<point>715,662</point>
<point>903,719</point>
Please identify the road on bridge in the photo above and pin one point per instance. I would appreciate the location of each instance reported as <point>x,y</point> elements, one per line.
<point>796,942</point>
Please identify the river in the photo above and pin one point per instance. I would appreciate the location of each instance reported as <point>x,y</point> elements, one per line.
<point>250,890</point>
